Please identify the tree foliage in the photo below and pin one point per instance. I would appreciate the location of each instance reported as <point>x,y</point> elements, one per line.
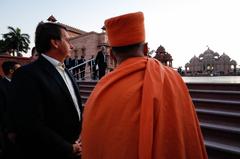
<point>14,42</point>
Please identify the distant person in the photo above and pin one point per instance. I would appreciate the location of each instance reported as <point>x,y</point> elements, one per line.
<point>68,62</point>
<point>34,54</point>
<point>76,62</point>
<point>92,66</point>
<point>47,107</point>
<point>7,134</point>
<point>82,67</point>
<point>142,109</point>
<point>101,62</point>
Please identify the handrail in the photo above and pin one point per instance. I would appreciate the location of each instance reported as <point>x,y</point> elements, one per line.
<point>87,74</point>
<point>70,69</point>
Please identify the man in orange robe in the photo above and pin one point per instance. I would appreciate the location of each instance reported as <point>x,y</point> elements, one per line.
<point>141,110</point>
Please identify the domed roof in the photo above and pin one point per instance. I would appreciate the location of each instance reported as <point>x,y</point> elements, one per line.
<point>162,55</point>
<point>233,62</point>
<point>187,64</point>
<point>168,56</point>
<point>160,49</point>
<point>208,51</point>
<point>194,59</point>
<point>216,54</point>
<point>201,55</point>
<point>224,56</point>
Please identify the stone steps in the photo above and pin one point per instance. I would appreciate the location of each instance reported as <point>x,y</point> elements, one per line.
<point>215,94</point>
<point>218,110</point>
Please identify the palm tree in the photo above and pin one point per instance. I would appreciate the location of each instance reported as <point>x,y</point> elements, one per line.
<point>16,41</point>
<point>2,46</point>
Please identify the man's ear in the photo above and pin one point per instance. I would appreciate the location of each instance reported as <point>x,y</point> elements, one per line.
<point>11,71</point>
<point>54,43</point>
<point>145,49</point>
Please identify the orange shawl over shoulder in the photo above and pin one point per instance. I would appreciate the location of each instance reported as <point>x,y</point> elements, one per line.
<point>142,110</point>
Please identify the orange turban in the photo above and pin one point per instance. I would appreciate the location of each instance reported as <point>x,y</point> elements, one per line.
<point>126,29</point>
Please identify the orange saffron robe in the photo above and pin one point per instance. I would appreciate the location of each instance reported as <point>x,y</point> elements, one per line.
<point>141,110</point>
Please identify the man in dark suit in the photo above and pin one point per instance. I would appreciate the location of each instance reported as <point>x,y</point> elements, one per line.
<point>68,62</point>
<point>75,62</point>
<point>7,135</point>
<point>47,108</point>
<point>92,67</point>
<point>101,62</point>
<point>82,67</point>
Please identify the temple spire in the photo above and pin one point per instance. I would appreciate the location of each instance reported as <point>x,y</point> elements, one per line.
<point>52,19</point>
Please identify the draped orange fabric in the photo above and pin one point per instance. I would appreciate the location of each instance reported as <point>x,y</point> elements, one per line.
<point>141,110</point>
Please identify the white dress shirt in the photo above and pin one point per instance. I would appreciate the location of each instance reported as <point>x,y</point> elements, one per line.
<point>60,68</point>
<point>7,78</point>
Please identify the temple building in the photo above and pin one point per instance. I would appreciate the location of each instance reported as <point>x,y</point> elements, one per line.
<point>164,57</point>
<point>210,63</point>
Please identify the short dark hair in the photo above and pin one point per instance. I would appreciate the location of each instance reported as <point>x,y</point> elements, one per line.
<point>7,66</point>
<point>128,48</point>
<point>45,32</point>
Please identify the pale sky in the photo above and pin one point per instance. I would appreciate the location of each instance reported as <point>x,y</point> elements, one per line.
<point>184,27</point>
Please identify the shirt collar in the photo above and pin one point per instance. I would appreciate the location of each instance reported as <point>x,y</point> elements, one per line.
<point>53,61</point>
<point>7,78</point>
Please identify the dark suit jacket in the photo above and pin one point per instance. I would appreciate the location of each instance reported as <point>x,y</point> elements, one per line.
<point>68,63</point>
<point>80,61</point>
<point>5,86</point>
<point>100,60</point>
<point>45,118</point>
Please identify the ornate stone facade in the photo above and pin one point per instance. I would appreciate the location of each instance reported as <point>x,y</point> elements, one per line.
<point>164,57</point>
<point>211,63</point>
<point>90,41</point>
